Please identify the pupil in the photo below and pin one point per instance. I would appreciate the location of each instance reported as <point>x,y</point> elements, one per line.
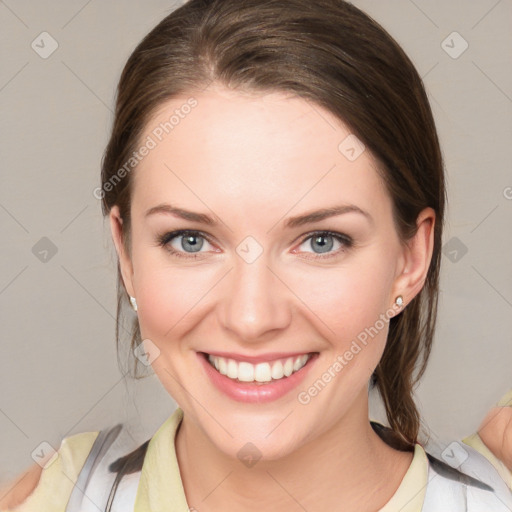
<point>324,247</point>
<point>193,245</point>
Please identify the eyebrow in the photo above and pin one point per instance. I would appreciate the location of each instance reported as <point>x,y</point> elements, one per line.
<point>292,222</point>
<point>182,214</point>
<point>325,213</point>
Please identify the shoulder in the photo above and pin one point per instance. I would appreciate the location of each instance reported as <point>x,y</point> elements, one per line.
<point>48,486</point>
<point>496,432</point>
<point>15,492</point>
<point>74,450</point>
<point>462,476</point>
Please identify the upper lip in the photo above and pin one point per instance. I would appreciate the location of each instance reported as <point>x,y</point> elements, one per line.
<point>260,358</point>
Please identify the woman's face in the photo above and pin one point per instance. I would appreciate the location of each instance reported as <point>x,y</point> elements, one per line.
<point>256,284</point>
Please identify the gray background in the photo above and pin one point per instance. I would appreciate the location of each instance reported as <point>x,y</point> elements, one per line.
<point>58,373</point>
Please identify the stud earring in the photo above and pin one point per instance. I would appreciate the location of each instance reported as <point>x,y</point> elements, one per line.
<point>399,301</point>
<point>133,302</point>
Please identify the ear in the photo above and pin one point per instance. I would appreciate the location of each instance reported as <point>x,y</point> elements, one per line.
<point>125,264</point>
<point>416,258</point>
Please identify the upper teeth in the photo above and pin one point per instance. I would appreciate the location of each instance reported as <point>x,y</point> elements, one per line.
<point>261,372</point>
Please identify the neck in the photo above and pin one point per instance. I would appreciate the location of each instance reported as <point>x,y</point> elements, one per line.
<point>348,464</point>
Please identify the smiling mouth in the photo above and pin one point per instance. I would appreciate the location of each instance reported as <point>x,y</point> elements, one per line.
<point>259,373</point>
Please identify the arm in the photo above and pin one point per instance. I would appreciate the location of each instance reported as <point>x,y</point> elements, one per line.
<point>49,489</point>
<point>496,432</point>
<point>17,491</point>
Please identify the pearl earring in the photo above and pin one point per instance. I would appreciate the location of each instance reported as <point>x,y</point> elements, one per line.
<point>399,301</point>
<point>133,302</point>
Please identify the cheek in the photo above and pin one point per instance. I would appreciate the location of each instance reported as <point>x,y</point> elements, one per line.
<point>168,298</point>
<point>342,302</point>
<point>352,312</point>
<point>348,299</point>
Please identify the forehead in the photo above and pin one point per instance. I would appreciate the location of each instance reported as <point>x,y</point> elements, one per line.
<point>248,150</point>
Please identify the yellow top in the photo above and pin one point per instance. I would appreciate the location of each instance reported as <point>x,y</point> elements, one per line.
<point>58,479</point>
<point>161,489</point>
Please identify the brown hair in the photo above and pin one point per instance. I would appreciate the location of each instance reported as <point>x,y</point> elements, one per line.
<point>327,52</point>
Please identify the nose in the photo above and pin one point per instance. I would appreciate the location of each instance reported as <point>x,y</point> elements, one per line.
<point>256,304</point>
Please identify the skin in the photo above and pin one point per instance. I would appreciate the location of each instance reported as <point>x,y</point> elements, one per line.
<point>281,302</point>
<point>266,168</point>
<point>17,491</point>
<point>496,432</point>
<point>250,162</point>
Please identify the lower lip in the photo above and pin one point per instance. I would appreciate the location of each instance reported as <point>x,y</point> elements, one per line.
<point>255,393</point>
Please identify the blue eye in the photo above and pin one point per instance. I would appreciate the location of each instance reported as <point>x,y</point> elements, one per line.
<point>322,243</point>
<point>191,242</point>
<point>188,243</point>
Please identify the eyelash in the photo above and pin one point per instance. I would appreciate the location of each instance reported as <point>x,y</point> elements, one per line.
<point>165,239</point>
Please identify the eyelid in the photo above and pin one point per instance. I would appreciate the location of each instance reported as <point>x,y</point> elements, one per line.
<point>170,235</point>
<point>335,234</point>
<point>345,240</point>
<point>165,239</point>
